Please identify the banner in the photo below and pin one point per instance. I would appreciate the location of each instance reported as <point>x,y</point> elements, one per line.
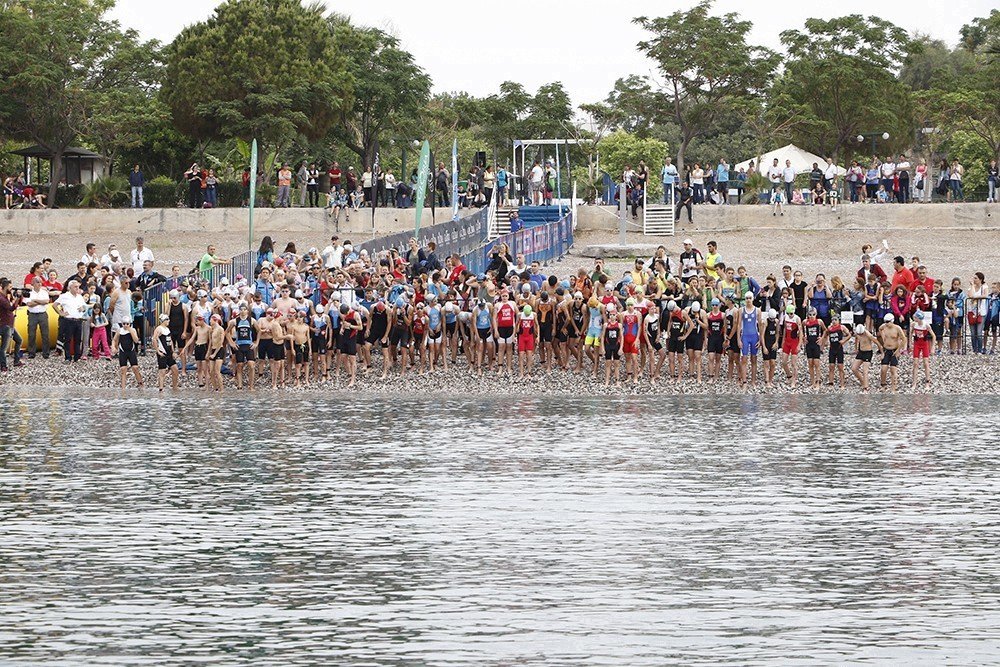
<point>374,201</point>
<point>253,188</point>
<point>423,168</point>
<point>454,180</point>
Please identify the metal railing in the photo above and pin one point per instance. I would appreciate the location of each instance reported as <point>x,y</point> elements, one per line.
<point>543,243</point>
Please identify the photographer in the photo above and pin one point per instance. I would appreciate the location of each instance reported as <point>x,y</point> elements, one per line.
<point>10,299</point>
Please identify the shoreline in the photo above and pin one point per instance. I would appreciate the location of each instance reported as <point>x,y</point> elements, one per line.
<point>971,375</point>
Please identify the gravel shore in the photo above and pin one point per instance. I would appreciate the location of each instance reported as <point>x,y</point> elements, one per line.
<point>962,374</point>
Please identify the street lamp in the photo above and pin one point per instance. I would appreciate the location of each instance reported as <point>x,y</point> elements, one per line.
<point>873,136</point>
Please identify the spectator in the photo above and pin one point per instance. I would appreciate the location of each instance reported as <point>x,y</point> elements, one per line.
<point>788,176</point>
<point>888,171</point>
<point>685,198</point>
<point>137,181</point>
<point>193,178</point>
<point>668,176</point>
<point>992,177</point>
<point>903,174</point>
<point>334,174</point>
<point>855,179</point>
<point>38,317</point>
<point>829,174</point>
<point>140,255</point>
<point>955,175</point>
<point>698,183</point>
<point>284,186</point>
<point>211,190</point>
<point>302,180</point>
<point>815,177</point>
<point>441,183</point>
<point>722,180</point>
<point>72,308</point>
<point>245,183</point>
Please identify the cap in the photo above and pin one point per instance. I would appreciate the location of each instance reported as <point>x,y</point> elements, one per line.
<point>164,317</point>
<point>696,307</point>
<point>888,317</point>
<point>772,314</point>
<point>688,242</point>
<point>859,329</point>
<point>174,294</point>
<point>716,302</point>
<point>299,294</point>
<point>526,310</point>
<point>202,293</point>
<point>481,276</point>
<point>919,315</point>
<point>630,301</point>
<point>526,288</point>
<point>224,281</point>
<point>671,305</point>
<point>578,295</point>
<point>789,309</point>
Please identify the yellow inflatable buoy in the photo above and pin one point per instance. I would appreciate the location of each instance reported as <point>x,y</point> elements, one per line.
<point>21,326</point>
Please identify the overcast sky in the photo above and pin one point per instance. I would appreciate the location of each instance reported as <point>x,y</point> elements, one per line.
<point>585,44</point>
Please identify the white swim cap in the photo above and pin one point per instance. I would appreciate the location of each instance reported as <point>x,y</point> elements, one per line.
<point>888,317</point>
<point>859,329</point>
<point>695,307</point>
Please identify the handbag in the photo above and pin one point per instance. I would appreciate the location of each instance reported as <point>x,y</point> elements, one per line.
<point>974,317</point>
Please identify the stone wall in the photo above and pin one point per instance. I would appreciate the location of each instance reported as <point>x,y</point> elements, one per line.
<point>850,216</point>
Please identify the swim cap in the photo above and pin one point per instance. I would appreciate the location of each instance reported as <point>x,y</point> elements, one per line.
<point>789,309</point>
<point>888,317</point>
<point>400,302</point>
<point>526,310</point>
<point>578,295</point>
<point>481,302</point>
<point>716,302</point>
<point>320,309</point>
<point>564,284</point>
<point>772,314</point>
<point>696,307</point>
<point>630,301</point>
<point>593,303</point>
<point>811,312</point>
<point>859,329</point>
<point>671,305</point>
<point>919,315</point>
<point>526,288</point>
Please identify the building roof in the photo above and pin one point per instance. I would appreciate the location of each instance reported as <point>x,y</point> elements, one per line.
<point>72,151</point>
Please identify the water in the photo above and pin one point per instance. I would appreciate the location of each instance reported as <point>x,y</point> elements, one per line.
<point>445,532</point>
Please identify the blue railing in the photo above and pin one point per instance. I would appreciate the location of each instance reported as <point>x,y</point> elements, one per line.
<point>543,243</point>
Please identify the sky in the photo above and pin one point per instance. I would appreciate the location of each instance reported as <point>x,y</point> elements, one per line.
<point>585,44</point>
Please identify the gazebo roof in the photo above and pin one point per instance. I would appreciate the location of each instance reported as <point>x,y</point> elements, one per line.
<point>72,151</point>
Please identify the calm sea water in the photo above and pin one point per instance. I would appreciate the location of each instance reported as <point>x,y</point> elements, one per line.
<point>445,531</point>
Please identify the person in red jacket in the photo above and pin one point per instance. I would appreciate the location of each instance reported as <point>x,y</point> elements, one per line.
<point>868,267</point>
<point>903,276</point>
<point>922,279</point>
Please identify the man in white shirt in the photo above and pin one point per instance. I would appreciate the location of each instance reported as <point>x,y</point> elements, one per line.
<point>829,173</point>
<point>535,178</point>
<point>888,171</point>
<point>788,175</point>
<point>38,316</point>
<point>90,257</point>
<point>774,173</point>
<point>107,260</point>
<point>72,308</point>
<point>668,176</point>
<point>333,254</point>
<point>140,255</point>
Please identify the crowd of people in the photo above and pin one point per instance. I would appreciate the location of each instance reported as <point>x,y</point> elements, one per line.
<point>301,317</point>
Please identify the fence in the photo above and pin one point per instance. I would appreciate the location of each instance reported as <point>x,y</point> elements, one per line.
<point>455,237</point>
<point>542,244</point>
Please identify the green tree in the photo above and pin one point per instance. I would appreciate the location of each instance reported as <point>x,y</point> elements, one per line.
<point>257,68</point>
<point>835,69</point>
<point>53,76</point>
<point>388,86</point>
<point>621,148</point>
<point>694,52</point>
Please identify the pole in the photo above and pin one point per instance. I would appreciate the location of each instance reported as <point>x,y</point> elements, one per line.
<point>253,188</point>
<point>622,210</point>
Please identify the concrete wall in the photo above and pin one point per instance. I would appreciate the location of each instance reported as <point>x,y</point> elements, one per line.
<point>850,216</point>
<point>590,218</point>
<point>222,220</point>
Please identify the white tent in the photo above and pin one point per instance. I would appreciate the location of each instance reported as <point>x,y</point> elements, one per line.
<point>802,160</point>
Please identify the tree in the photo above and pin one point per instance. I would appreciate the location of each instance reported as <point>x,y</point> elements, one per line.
<point>694,52</point>
<point>265,69</point>
<point>53,63</point>
<point>621,148</point>
<point>388,88</point>
<point>835,69</point>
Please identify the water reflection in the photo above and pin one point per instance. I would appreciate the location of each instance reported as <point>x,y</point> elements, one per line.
<point>556,531</point>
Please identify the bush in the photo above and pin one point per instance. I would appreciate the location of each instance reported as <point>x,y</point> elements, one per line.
<point>67,196</point>
<point>105,192</point>
<point>163,192</point>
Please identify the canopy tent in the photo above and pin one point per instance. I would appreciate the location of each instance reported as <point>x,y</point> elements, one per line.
<point>802,160</point>
<point>80,165</point>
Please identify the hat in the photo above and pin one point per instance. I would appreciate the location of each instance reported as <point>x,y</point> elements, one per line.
<point>716,302</point>
<point>174,294</point>
<point>202,293</point>
<point>299,294</point>
<point>789,309</point>
<point>919,315</point>
<point>578,295</point>
<point>224,281</point>
<point>630,301</point>
<point>526,288</point>
<point>164,317</point>
<point>696,307</point>
<point>688,242</point>
<point>481,276</point>
<point>216,318</point>
<point>772,314</point>
<point>671,305</point>
<point>859,330</point>
<point>526,310</point>
<point>114,254</point>
<point>888,317</point>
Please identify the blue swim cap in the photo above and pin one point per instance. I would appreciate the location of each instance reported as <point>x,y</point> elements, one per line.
<point>564,284</point>
<point>400,302</point>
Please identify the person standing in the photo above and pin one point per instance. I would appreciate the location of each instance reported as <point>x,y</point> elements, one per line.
<point>788,176</point>
<point>38,317</point>
<point>9,302</point>
<point>72,308</point>
<point>284,186</point>
<point>722,180</point>
<point>193,178</point>
<point>390,188</point>
<point>163,341</point>
<point>140,256</point>
<point>312,185</point>
<point>441,183</point>
<point>302,180</point>
<point>211,189</point>
<point>368,185</point>
<point>992,178</point>
<point>137,181</point>
<point>502,177</point>
<point>668,176</point>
